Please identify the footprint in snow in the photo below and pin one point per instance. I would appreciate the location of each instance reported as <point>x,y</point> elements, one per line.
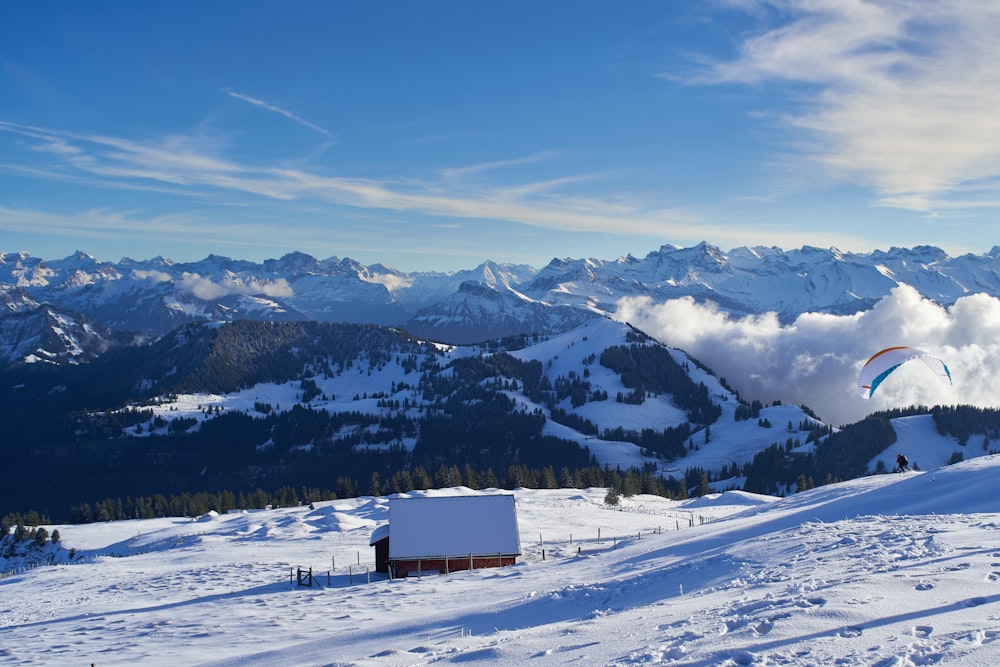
<point>924,586</point>
<point>987,636</point>
<point>811,602</point>
<point>740,658</point>
<point>922,631</point>
<point>850,632</point>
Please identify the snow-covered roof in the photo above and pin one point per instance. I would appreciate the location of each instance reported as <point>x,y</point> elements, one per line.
<point>379,533</point>
<point>433,527</point>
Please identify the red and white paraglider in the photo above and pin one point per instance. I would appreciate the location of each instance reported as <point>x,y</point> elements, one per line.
<point>883,363</point>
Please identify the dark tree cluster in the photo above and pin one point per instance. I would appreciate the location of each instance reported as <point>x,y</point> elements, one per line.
<point>649,369</point>
<point>667,444</point>
<point>628,482</point>
<point>17,529</point>
<point>963,421</point>
<point>746,411</point>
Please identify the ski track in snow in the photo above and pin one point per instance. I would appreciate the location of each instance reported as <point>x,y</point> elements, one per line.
<point>835,576</point>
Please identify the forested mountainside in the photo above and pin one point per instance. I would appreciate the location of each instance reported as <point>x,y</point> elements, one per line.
<point>348,409</point>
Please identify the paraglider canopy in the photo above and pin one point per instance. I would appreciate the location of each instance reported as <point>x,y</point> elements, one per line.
<point>885,362</point>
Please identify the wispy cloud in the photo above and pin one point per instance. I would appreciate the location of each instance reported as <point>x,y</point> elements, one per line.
<point>102,223</point>
<point>278,110</point>
<point>194,167</point>
<point>901,95</point>
<point>184,162</point>
<point>460,172</point>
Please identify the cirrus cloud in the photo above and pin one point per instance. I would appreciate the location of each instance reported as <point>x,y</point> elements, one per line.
<point>900,95</point>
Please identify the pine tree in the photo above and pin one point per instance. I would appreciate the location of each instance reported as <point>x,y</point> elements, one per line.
<point>471,477</point>
<point>20,532</point>
<point>704,488</point>
<point>421,480</point>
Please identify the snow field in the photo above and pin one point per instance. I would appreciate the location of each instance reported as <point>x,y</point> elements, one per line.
<point>887,570</point>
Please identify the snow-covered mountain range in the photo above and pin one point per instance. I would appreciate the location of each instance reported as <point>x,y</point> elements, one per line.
<point>490,301</point>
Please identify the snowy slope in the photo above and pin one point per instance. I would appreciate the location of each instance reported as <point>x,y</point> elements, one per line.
<point>363,388</point>
<point>574,352</point>
<point>52,335</point>
<point>886,570</point>
<point>924,447</point>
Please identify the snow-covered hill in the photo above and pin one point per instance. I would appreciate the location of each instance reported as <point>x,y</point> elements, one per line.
<point>52,335</point>
<point>490,300</point>
<point>573,355</point>
<point>371,389</point>
<point>885,570</point>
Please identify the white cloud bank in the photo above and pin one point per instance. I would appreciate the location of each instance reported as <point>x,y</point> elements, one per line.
<point>208,290</point>
<point>815,360</point>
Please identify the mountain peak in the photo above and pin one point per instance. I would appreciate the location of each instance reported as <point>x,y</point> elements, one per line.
<point>297,285</point>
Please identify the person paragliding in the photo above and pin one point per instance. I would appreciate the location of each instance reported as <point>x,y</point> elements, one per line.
<point>902,464</point>
<point>883,363</point>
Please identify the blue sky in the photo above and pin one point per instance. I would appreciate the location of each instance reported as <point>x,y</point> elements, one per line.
<point>436,135</point>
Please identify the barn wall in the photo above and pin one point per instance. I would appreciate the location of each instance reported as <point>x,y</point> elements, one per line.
<point>382,556</point>
<point>404,568</point>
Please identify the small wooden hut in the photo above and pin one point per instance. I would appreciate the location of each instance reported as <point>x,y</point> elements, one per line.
<point>442,534</point>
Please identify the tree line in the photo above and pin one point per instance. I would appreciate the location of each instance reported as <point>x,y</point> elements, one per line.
<point>628,482</point>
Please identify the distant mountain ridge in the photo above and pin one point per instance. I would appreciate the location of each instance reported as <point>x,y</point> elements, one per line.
<point>51,334</point>
<point>492,300</point>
